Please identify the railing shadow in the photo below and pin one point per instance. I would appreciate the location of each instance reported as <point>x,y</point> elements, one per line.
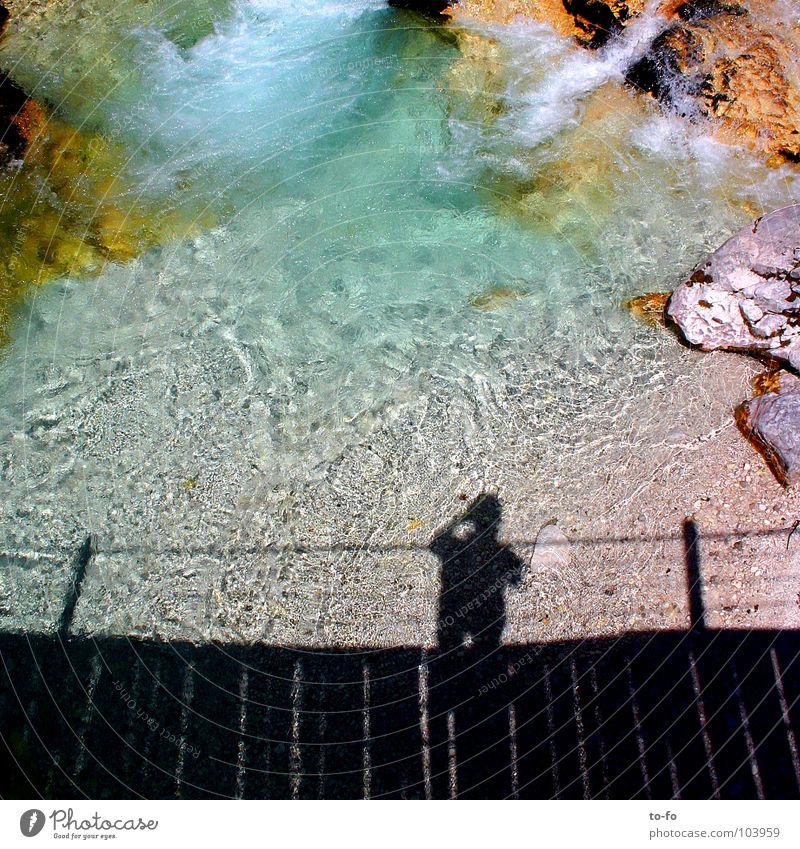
<point>672,714</point>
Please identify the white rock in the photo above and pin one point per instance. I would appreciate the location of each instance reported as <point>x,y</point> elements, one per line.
<point>552,548</point>
<point>718,306</point>
<point>773,296</point>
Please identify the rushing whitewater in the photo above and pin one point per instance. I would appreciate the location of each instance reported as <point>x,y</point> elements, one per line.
<point>554,103</point>
<point>401,305</point>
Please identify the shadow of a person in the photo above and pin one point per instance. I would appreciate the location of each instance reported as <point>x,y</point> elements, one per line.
<point>468,730</point>
<point>476,570</point>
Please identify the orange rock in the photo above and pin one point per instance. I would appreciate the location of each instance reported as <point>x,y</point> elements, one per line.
<point>552,12</point>
<point>650,308</point>
<point>735,58</point>
<point>69,209</point>
<point>741,77</point>
<point>31,120</point>
<point>589,21</point>
<point>476,78</point>
<point>767,381</point>
<point>569,184</point>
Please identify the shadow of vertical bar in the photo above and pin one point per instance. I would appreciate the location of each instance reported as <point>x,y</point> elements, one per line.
<point>79,564</point>
<point>694,586</point>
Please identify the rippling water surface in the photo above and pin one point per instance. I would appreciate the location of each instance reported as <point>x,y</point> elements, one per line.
<point>401,212</point>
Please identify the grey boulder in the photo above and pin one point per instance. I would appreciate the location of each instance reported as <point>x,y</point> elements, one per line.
<point>772,423</point>
<point>746,295</point>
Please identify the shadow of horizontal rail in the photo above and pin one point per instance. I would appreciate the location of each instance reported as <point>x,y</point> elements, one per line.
<point>223,551</point>
<point>690,714</point>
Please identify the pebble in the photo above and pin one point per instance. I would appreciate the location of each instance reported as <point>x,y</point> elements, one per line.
<point>552,547</point>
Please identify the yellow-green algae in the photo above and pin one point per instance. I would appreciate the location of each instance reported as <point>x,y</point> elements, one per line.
<point>68,209</point>
<point>71,206</point>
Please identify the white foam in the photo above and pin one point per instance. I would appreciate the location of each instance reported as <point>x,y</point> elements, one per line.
<point>555,102</point>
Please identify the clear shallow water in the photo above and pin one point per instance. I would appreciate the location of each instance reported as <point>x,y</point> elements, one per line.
<point>384,235</point>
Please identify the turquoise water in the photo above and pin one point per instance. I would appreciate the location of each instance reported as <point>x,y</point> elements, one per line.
<point>354,233</point>
<point>380,240</point>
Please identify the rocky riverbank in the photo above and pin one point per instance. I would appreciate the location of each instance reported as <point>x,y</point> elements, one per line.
<point>732,67</point>
<point>746,297</point>
<point>730,64</point>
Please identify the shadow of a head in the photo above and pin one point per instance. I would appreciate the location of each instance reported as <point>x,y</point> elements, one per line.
<point>485,512</point>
